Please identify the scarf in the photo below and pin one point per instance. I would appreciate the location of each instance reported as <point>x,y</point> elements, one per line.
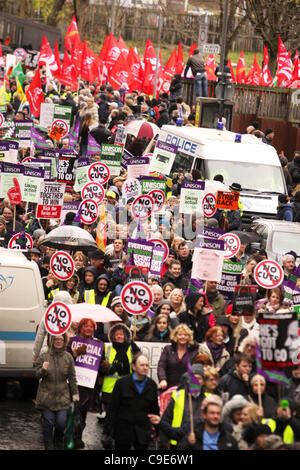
<point>120,362</point>
<point>216,350</point>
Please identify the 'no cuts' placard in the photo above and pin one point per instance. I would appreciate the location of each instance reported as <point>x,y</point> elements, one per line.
<point>232,244</point>
<point>57,319</point>
<point>136,297</point>
<point>62,265</point>
<point>268,274</point>
<point>142,206</point>
<point>88,211</point>
<point>19,242</point>
<point>209,205</point>
<point>99,173</point>
<point>94,191</point>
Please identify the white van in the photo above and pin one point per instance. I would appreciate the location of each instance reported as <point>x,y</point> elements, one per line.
<point>22,305</point>
<point>251,163</point>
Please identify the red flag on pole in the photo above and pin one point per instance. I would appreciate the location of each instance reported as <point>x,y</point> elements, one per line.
<point>240,69</point>
<point>266,78</point>
<point>47,56</point>
<point>68,74</point>
<point>112,52</point>
<point>120,73</point>
<point>35,94</point>
<point>136,67</point>
<point>57,72</point>
<point>210,67</point>
<point>284,65</point>
<point>89,65</point>
<point>76,56</point>
<point>71,34</point>
<point>180,61</point>
<point>253,77</point>
<point>231,70</point>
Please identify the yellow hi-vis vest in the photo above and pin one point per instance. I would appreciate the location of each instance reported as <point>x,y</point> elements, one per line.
<point>110,380</point>
<point>179,399</point>
<point>288,433</point>
<point>53,292</point>
<point>90,297</point>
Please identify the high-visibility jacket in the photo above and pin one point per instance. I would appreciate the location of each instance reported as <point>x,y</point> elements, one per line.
<point>90,297</point>
<point>54,291</point>
<point>179,400</point>
<point>288,433</point>
<point>110,380</point>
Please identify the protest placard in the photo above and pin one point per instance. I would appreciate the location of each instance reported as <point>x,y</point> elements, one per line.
<point>87,365</point>
<point>137,166</point>
<point>157,261</point>
<point>231,277</point>
<point>65,168</point>
<point>140,251</point>
<point>111,155</point>
<point>9,171</point>
<point>32,180</point>
<point>163,158</point>
<point>227,200</point>
<point>50,200</point>
<point>57,319</point>
<point>81,174</point>
<point>191,196</point>
<point>136,297</point>
<point>279,340</point>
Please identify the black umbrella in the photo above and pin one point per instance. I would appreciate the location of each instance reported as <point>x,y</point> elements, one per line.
<point>71,238</point>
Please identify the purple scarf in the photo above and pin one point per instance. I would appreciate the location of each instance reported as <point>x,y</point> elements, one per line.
<point>215,350</point>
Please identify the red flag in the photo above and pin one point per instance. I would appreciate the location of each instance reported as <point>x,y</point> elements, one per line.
<point>58,61</point>
<point>210,67</point>
<point>122,45</point>
<point>240,69</point>
<point>136,67</point>
<point>89,65</point>
<point>46,55</point>
<point>295,80</point>
<point>35,94</point>
<point>192,48</point>
<point>104,48</point>
<point>266,78</point>
<point>68,74</point>
<point>253,77</point>
<point>149,77</point>
<point>180,61</point>
<point>1,57</point>
<point>149,54</point>
<point>231,70</point>
<point>71,33</point>
<point>284,65</point>
<point>112,52</point>
<point>120,73</point>
<point>77,54</point>
<point>165,76</point>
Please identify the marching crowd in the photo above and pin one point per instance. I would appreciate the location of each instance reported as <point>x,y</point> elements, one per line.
<point>234,408</point>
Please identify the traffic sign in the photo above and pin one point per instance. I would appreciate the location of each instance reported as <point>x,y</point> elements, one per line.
<point>232,244</point>
<point>136,297</point>
<point>209,204</point>
<point>18,243</point>
<point>142,206</point>
<point>99,172</point>
<point>62,265</point>
<point>57,319</point>
<point>94,191</point>
<point>268,274</point>
<point>159,198</point>
<point>162,244</point>
<point>88,211</point>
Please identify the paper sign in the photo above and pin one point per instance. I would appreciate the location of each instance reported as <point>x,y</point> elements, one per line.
<point>163,158</point>
<point>9,172</point>
<point>231,277</point>
<point>87,365</point>
<point>57,319</point>
<point>32,180</point>
<point>207,265</point>
<point>50,200</point>
<point>191,196</point>
<point>136,297</point>
<point>111,155</point>
<point>137,166</point>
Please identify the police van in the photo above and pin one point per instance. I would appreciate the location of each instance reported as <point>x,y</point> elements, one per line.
<point>22,306</point>
<point>242,159</point>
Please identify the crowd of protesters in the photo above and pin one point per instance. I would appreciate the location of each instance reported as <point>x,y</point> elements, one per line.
<point>235,407</point>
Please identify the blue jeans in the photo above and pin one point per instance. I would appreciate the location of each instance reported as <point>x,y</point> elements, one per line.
<point>201,84</point>
<point>53,420</point>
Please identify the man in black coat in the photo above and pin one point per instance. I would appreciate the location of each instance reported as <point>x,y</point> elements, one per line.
<point>134,398</point>
<point>175,275</point>
<point>236,382</point>
<point>163,115</point>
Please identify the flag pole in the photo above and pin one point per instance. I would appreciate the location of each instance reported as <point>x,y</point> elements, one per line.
<point>192,437</point>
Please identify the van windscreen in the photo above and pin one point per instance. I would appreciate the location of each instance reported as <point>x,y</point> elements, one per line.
<point>182,163</point>
<point>262,178</point>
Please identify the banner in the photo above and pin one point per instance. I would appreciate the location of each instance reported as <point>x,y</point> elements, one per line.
<point>140,251</point>
<point>149,183</point>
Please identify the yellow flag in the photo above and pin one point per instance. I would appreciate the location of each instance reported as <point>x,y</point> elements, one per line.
<point>20,90</point>
<point>101,232</point>
<point>2,95</point>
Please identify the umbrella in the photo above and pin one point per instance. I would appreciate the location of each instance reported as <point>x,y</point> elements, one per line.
<point>96,312</point>
<point>142,128</point>
<point>70,237</point>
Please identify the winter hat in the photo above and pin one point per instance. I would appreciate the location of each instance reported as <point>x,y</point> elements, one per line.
<point>237,402</point>
<point>115,301</point>
<point>97,254</point>
<point>164,222</point>
<point>191,299</point>
<point>63,296</point>
<point>283,198</point>
<point>119,326</point>
<point>287,402</point>
<point>198,369</point>
<point>38,233</point>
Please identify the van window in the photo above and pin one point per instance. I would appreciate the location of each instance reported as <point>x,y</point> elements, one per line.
<point>262,178</point>
<point>18,289</point>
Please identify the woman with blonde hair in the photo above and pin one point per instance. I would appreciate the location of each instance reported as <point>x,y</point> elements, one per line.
<point>177,301</point>
<point>173,360</point>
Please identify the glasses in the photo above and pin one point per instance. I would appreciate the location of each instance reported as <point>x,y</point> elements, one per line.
<point>58,340</point>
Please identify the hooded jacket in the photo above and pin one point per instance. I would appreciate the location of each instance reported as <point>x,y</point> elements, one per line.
<point>83,286</point>
<point>285,212</point>
<point>198,323</point>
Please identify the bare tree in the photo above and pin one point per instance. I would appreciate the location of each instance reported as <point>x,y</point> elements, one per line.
<point>272,18</point>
